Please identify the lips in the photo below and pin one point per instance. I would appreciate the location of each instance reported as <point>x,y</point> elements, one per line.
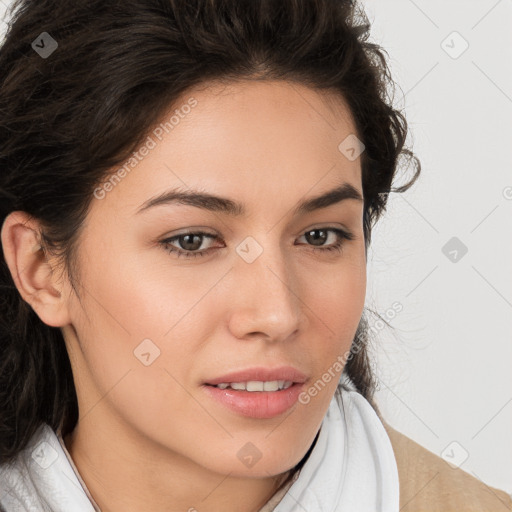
<point>248,399</point>
<point>285,373</point>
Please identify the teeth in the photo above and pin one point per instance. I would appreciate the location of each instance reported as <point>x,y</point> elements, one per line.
<point>257,385</point>
<point>270,386</point>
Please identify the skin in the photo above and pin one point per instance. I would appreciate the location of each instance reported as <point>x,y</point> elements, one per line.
<point>148,437</point>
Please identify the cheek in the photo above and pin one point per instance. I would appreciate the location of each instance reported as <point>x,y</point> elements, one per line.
<point>336,298</point>
<point>138,318</point>
<point>129,364</point>
<point>135,297</point>
<point>336,303</point>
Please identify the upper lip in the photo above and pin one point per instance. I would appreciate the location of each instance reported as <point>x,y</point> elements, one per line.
<point>287,373</point>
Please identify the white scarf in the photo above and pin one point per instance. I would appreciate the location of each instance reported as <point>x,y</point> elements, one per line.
<point>351,468</point>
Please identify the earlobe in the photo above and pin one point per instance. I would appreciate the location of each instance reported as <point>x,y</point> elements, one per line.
<point>30,270</point>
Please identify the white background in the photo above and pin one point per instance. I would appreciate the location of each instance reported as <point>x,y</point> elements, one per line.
<point>444,370</point>
<point>446,367</point>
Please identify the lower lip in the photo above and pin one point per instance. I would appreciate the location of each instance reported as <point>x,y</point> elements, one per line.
<point>256,404</point>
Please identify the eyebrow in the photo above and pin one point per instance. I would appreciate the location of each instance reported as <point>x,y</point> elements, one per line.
<point>232,208</point>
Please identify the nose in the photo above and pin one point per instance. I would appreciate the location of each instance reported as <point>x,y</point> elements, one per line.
<point>266,302</point>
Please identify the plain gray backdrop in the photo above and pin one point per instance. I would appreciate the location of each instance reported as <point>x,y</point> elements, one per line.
<point>445,371</point>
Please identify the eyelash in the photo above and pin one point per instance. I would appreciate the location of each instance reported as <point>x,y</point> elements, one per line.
<point>338,246</point>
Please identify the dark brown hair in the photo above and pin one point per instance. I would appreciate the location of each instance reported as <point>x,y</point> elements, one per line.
<point>69,119</point>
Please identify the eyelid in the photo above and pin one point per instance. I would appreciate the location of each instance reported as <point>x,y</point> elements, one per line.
<point>201,231</point>
<point>342,235</point>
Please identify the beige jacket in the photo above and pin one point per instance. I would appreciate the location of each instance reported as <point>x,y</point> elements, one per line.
<point>429,484</point>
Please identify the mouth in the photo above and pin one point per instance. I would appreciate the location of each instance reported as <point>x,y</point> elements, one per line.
<point>255,385</point>
<point>258,392</point>
<point>259,379</point>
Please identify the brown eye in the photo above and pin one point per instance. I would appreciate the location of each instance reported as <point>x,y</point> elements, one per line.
<point>188,244</point>
<point>317,238</point>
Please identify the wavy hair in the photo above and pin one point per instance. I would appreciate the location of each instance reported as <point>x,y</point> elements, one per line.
<point>68,119</point>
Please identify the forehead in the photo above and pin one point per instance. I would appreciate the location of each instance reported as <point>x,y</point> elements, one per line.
<point>247,138</point>
<point>261,101</point>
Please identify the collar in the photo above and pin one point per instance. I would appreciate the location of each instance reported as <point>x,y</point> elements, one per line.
<point>351,467</point>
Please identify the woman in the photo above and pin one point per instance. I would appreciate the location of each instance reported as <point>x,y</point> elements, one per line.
<point>189,191</point>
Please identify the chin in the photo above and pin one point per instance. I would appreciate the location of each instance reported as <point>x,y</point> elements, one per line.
<point>248,461</point>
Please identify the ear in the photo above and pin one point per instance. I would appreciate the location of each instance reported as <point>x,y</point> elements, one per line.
<point>31,271</point>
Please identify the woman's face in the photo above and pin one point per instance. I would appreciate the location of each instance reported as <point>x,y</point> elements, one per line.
<point>259,291</point>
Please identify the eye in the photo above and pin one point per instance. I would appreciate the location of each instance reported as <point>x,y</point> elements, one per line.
<point>318,236</point>
<point>190,243</point>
